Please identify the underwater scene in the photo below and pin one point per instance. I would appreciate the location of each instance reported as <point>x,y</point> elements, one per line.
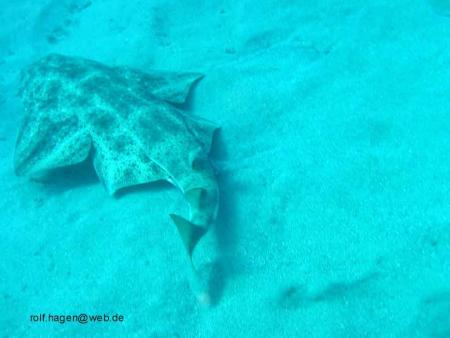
<point>216,169</point>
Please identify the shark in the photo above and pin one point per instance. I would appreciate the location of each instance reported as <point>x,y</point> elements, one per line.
<point>131,126</point>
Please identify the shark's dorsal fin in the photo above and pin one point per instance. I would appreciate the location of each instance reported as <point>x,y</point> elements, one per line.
<point>190,233</point>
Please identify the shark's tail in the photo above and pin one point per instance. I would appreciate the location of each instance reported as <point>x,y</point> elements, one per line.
<point>203,205</point>
<point>190,235</point>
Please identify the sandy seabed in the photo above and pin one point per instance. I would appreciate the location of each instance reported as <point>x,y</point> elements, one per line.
<point>333,160</point>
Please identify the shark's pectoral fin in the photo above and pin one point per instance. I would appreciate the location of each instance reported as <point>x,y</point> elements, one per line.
<point>190,233</point>
<point>168,86</point>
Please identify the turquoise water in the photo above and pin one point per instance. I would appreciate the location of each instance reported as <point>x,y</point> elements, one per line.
<point>332,162</point>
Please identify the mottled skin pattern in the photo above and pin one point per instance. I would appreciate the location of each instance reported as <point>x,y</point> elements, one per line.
<point>124,120</point>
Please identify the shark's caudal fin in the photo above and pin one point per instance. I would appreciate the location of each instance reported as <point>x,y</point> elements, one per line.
<point>190,235</point>
<point>201,193</point>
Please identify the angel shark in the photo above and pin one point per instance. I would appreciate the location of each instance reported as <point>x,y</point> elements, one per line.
<point>125,121</point>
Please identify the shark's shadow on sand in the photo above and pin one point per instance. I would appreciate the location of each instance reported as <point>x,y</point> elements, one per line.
<point>225,228</point>
<point>295,297</point>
